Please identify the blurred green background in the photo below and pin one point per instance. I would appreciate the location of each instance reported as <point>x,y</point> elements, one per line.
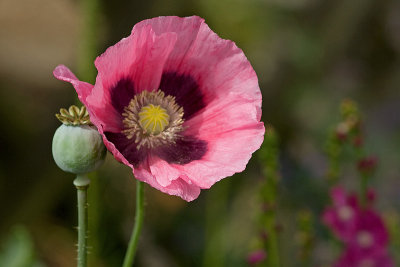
<point>308,54</point>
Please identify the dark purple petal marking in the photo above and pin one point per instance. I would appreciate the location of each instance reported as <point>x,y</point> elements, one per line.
<point>187,95</point>
<point>185,90</point>
<point>127,148</point>
<point>122,93</point>
<point>185,150</point>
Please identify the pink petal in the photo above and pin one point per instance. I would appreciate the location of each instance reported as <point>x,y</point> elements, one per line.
<point>233,132</point>
<point>183,189</point>
<point>141,57</point>
<point>218,64</point>
<point>163,171</point>
<point>256,257</point>
<point>338,196</point>
<point>186,29</point>
<point>178,187</point>
<point>226,156</point>
<point>233,112</point>
<point>354,257</point>
<point>83,89</point>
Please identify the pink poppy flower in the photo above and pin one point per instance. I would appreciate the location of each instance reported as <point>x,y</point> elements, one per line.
<point>342,217</point>
<point>176,103</point>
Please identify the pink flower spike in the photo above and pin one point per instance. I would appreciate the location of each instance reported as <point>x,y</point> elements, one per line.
<point>256,257</point>
<point>176,103</point>
<point>367,164</point>
<point>354,258</point>
<point>342,217</point>
<point>371,196</point>
<point>370,234</point>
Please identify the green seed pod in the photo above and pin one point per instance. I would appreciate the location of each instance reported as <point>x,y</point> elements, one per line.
<point>77,146</point>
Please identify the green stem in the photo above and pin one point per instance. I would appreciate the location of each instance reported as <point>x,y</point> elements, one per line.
<point>216,213</point>
<point>88,48</point>
<point>82,183</point>
<point>272,246</point>
<point>364,177</point>
<point>364,189</point>
<point>269,192</point>
<point>132,247</point>
<point>273,249</point>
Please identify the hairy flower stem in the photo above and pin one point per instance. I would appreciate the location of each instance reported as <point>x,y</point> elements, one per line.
<point>139,215</point>
<point>82,184</point>
<point>272,242</point>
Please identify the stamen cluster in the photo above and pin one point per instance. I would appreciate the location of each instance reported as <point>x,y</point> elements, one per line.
<point>136,117</point>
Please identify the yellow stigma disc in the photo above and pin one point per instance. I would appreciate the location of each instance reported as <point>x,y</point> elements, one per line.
<point>153,119</point>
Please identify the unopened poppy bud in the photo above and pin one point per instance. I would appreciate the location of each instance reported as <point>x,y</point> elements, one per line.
<point>77,146</point>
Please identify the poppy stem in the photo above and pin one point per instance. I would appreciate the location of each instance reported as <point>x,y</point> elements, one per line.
<point>139,215</point>
<point>82,184</point>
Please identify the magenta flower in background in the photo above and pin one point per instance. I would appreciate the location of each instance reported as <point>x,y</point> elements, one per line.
<point>371,196</point>
<point>362,230</point>
<point>176,103</point>
<point>352,257</point>
<point>256,257</point>
<point>343,215</point>
<point>367,164</point>
<point>370,235</point>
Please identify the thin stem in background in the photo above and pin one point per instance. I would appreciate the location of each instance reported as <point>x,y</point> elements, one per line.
<point>82,183</point>
<point>88,49</point>
<point>268,156</point>
<point>216,210</point>
<point>139,215</point>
